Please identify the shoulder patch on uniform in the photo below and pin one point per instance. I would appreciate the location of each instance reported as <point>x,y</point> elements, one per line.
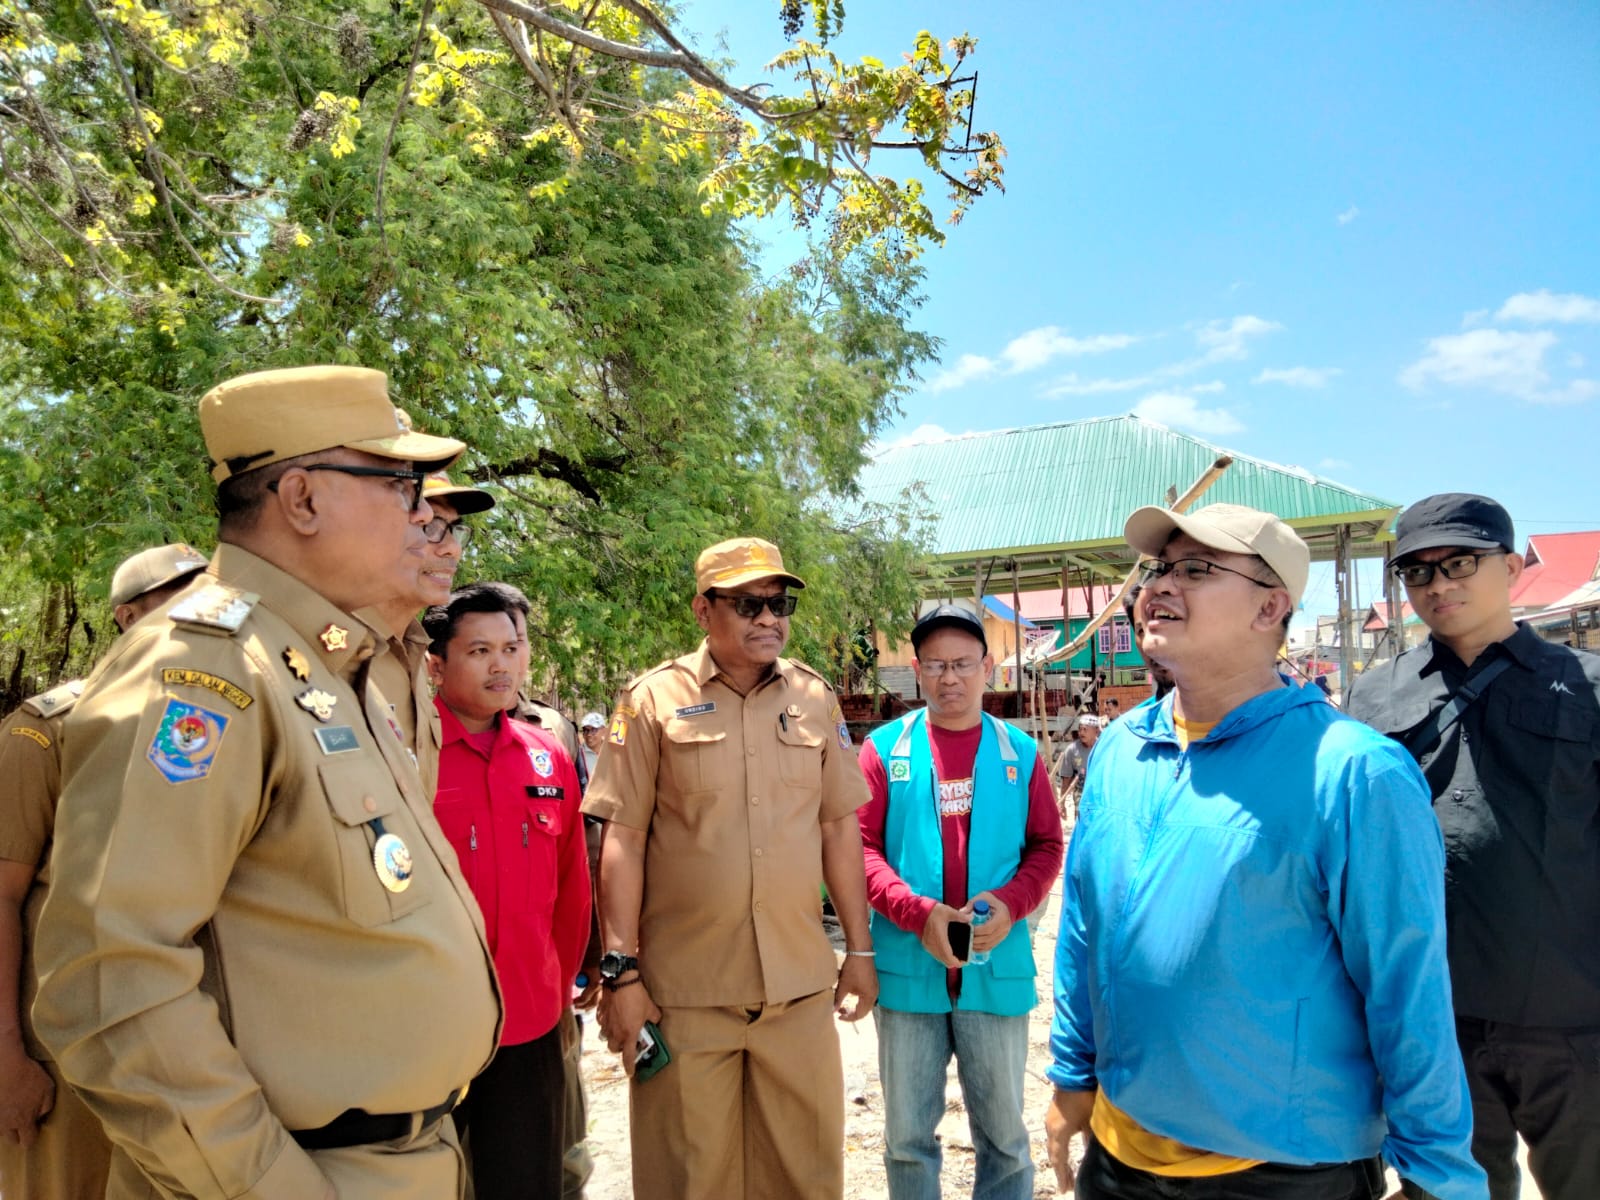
<point>32,734</point>
<point>188,677</point>
<point>56,701</point>
<point>186,741</point>
<point>214,606</point>
<point>619,727</point>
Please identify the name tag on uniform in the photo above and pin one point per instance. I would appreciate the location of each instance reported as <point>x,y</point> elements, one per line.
<point>543,792</point>
<point>695,710</point>
<point>337,739</point>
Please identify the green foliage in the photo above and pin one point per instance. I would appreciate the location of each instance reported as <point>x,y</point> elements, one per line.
<point>364,184</point>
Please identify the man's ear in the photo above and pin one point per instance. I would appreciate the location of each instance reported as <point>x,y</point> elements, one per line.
<point>299,502</point>
<point>1275,606</point>
<point>702,612</point>
<point>1514,564</point>
<point>435,669</point>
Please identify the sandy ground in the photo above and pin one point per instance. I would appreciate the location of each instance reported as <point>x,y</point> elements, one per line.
<point>863,1154</point>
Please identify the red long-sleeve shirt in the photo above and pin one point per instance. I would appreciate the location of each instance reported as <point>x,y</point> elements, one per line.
<point>954,752</point>
<point>508,802</point>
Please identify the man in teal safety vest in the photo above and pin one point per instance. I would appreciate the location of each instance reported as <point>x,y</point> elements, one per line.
<point>962,818</point>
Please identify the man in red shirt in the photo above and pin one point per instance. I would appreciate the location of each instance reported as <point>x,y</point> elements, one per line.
<point>961,813</point>
<point>508,801</point>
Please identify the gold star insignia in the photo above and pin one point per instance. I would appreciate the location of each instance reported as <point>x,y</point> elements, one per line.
<point>299,665</point>
<point>334,637</point>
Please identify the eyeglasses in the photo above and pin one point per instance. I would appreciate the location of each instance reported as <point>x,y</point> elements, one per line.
<point>413,493</point>
<point>1459,566</point>
<point>1191,572</point>
<point>962,668</point>
<point>749,607</point>
<point>435,530</point>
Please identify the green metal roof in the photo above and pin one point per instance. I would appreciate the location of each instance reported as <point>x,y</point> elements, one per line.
<point>1055,495</point>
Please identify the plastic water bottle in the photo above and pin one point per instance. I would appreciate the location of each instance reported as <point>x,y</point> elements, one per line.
<point>980,916</point>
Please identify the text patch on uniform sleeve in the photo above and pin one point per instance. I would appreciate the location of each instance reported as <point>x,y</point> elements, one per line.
<point>32,734</point>
<point>186,741</point>
<point>231,692</point>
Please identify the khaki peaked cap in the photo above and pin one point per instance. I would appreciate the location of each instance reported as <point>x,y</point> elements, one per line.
<point>268,416</point>
<point>740,560</point>
<point>153,568</point>
<point>465,500</point>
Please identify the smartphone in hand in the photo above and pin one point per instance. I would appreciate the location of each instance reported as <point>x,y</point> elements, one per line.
<point>960,935</point>
<point>650,1052</point>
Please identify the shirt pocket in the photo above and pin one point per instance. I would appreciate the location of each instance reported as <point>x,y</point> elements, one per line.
<point>799,754</point>
<point>542,825</point>
<point>355,804</point>
<point>694,750</point>
<point>1557,755</point>
<point>459,815</point>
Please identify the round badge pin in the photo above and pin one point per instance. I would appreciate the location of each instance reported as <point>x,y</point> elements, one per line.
<point>392,861</point>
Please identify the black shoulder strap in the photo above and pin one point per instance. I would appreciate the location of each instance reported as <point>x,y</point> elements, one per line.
<point>1474,685</point>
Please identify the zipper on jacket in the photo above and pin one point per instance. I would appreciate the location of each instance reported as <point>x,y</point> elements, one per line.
<point>472,837</point>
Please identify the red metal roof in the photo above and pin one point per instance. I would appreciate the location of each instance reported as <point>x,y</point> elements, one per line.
<point>1046,606</point>
<point>1378,616</point>
<point>1558,563</point>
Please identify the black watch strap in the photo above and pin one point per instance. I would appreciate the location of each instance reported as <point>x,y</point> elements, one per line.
<point>614,964</point>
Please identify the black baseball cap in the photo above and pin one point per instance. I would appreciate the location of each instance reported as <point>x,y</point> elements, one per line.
<point>1453,519</point>
<point>947,616</point>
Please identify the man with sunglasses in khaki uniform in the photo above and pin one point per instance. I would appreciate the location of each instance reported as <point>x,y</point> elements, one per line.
<point>731,788</point>
<point>1506,728</point>
<point>259,963</point>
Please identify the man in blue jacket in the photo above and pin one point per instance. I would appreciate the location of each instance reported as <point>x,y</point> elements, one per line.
<point>1252,997</point>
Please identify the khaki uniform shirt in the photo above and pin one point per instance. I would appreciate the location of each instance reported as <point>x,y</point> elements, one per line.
<point>402,676</point>
<point>226,964</point>
<point>30,782</point>
<point>733,791</point>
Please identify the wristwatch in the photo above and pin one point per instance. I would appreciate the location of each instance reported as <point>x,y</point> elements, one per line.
<point>614,964</point>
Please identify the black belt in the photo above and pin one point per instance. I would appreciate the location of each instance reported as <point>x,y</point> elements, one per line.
<point>357,1127</point>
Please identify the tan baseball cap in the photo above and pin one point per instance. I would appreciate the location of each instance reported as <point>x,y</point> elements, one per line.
<point>1232,528</point>
<point>268,416</point>
<point>466,500</point>
<point>741,560</point>
<point>153,568</point>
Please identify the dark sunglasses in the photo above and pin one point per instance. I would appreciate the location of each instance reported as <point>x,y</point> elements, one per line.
<point>749,607</point>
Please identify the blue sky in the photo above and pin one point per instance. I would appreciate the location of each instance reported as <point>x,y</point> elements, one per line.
<point>1363,239</point>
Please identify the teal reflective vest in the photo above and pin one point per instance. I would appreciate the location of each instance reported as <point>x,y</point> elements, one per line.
<point>909,978</point>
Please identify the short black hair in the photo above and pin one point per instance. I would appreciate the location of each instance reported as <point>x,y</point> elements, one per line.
<point>489,596</point>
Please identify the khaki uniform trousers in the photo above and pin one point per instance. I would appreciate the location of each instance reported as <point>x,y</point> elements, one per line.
<point>752,1104</point>
<point>69,1159</point>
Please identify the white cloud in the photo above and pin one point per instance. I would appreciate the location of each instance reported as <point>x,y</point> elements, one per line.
<point>1545,307</point>
<point>1298,377</point>
<point>1224,341</point>
<point>1071,385</point>
<point>966,369</point>
<point>1348,215</point>
<point>1181,410</point>
<point>1333,464</point>
<point>1491,359</point>
<point>1039,346</point>
<point>1216,385</point>
<point>1029,352</point>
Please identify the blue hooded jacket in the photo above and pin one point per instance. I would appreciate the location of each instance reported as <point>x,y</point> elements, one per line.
<point>1252,948</point>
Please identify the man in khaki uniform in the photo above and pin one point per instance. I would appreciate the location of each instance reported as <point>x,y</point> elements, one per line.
<point>402,674</point>
<point>259,963</point>
<point>51,1146</point>
<point>731,787</point>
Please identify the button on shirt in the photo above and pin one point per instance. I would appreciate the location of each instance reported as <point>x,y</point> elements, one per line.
<point>1516,788</point>
<point>733,791</point>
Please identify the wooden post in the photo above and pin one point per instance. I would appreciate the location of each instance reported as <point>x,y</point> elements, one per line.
<point>1341,572</point>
